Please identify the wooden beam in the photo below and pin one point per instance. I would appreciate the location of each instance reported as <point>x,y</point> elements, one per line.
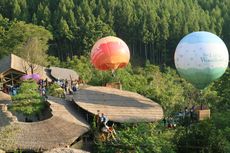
<point>12,79</point>
<point>11,75</point>
<point>9,71</point>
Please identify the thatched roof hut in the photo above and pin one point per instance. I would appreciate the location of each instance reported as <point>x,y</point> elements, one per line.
<point>48,134</point>
<point>13,67</point>
<point>56,73</point>
<point>119,105</point>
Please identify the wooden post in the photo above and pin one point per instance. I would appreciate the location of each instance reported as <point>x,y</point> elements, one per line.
<point>12,79</point>
<point>1,83</point>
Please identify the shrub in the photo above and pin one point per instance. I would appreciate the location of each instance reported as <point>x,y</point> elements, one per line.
<point>201,137</point>
<point>140,138</point>
<point>55,90</point>
<point>28,101</point>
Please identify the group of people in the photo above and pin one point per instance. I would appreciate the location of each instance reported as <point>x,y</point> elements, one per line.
<point>169,122</point>
<point>103,126</point>
<point>69,88</point>
<point>42,85</point>
<point>188,115</point>
<point>11,90</point>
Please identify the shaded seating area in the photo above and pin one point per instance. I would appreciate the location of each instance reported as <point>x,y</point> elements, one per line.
<point>13,68</point>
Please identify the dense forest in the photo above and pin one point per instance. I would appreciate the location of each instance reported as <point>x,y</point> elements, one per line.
<point>152,29</point>
<point>62,33</point>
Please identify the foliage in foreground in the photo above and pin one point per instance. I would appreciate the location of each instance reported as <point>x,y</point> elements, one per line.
<point>139,138</point>
<point>28,101</point>
<point>211,136</point>
<point>222,86</point>
<point>201,137</point>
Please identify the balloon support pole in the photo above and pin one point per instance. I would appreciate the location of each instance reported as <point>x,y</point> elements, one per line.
<point>201,103</point>
<point>113,73</point>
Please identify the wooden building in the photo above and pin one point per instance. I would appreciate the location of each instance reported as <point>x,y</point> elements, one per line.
<point>57,73</point>
<point>13,67</point>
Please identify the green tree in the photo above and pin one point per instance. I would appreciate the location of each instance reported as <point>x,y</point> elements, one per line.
<point>17,35</point>
<point>4,25</point>
<point>33,55</point>
<point>82,66</point>
<point>25,15</point>
<point>53,61</point>
<point>16,10</point>
<point>43,15</point>
<point>222,88</point>
<point>201,137</point>
<point>64,29</point>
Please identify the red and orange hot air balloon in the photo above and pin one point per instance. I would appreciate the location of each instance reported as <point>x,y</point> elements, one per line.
<point>110,53</point>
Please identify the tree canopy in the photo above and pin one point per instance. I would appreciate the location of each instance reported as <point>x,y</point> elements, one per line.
<point>152,29</point>
<point>17,37</point>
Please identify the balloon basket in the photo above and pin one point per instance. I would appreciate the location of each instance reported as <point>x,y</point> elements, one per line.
<point>116,85</point>
<point>203,114</point>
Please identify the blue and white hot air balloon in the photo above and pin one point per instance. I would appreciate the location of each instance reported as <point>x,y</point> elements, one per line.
<point>201,57</point>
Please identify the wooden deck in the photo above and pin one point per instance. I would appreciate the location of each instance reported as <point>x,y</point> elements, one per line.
<point>119,105</point>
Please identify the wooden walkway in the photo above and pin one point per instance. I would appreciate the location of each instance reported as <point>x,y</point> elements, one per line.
<point>61,130</point>
<point>4,98</point>
<point>119,105</point>
<point>67,111</point>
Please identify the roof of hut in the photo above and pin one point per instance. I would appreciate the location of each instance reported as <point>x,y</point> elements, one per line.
<point>48,134</point>
<point>61,130</point>
<point>63,73</point>
<point>119,105</point>
<point>13,62</point>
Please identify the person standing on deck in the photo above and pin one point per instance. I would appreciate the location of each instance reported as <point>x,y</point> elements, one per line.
<point>97,119</point>
<point>104,119</point>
